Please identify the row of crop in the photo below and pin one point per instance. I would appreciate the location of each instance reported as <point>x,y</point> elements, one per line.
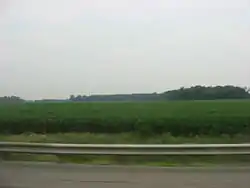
<point>125,110</point>
<point>177,126</point>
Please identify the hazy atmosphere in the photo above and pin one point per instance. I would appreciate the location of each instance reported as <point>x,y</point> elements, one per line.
<point>54,48</point>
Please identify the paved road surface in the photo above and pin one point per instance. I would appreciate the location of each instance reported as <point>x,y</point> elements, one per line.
<point>33,175</point>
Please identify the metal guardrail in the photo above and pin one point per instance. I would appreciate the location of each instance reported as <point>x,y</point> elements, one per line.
<point>121,149</point>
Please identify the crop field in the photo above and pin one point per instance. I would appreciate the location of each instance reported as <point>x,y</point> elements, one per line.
<point>182,118</point>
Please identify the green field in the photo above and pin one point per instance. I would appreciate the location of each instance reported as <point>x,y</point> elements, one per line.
<point>182,118</point>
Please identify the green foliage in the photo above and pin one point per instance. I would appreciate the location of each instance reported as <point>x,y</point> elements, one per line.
<point>186,118</point>
<point>192,93</point>
<point>117,97</point>
<point>208,93</point>
<point>11,99</point>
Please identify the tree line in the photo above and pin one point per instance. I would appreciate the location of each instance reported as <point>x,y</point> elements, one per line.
<point>192,93</point>
<point>11,99</point>
<point>208,93</point>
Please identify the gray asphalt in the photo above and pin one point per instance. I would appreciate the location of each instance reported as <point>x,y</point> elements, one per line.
<point>49,175</point>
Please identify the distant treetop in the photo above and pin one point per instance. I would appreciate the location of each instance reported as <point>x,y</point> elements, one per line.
<point>208,93</point>
<point>10,99</point>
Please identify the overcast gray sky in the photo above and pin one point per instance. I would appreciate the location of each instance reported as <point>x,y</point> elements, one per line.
<point>54,48</point>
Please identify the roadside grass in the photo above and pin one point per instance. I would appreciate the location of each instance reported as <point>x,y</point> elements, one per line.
<point>123,138</point>
<point>127,138</point>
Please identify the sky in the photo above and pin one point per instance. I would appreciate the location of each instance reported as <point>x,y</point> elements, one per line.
<point>54,48</point>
